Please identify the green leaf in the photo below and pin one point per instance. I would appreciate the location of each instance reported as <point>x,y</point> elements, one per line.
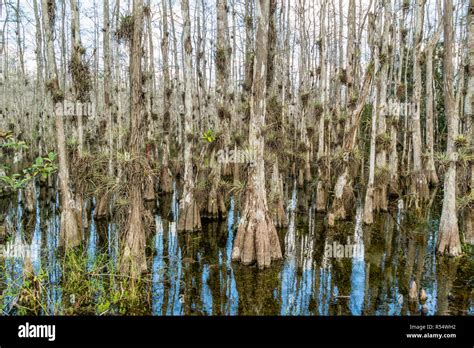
<point>52,156</point>
<point>39,161</point>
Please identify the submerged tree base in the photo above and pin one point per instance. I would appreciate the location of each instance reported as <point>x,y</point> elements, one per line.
<point>189,218</point>
<point>343,199</point>
<point>448,241</point>
<point>133,259</point>
<point>257,238</point>
<point>71,235</point>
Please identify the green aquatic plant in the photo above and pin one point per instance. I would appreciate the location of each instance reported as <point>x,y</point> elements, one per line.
<point>42,167</point>
<point>92,286</point>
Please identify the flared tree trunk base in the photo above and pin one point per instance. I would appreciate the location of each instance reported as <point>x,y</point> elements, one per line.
<point>70,235</point>
<point>216,209</point>
<point>257,238</point>
<point>189,217</point>
<point>448,240</point>
<point>133,258</point>
<point>343,199</point>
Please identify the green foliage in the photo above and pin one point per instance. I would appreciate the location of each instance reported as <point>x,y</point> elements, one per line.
<point>11,143</point>
<point>15,145</point>
<point>15,181</point>
<point>461,141</point>
<point>209,136</point>
<point>43,166</point>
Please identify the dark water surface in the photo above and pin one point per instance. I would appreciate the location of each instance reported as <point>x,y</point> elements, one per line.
<point>192,273</point>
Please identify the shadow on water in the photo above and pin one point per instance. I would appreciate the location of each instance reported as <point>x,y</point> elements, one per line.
<point>348,270</point>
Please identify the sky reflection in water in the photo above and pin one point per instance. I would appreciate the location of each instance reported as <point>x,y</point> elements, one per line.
<point>192,274</point>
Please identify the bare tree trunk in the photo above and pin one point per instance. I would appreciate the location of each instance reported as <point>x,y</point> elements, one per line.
<point>151,146</point>
<point>448,240</point>
<point>107,85</point>
<point>177,81</point>
<point>70,235</point>
<point>166,176</point>
<point>39,103</point>
<point>321,189</point>
<point>419,191</point>
<point>382,171</point>
<point>394,160</point>
<point>19,43</point>
<point>343,189</point>
<point>76,68</point>
<point>469,113</point>
<point>189,219</point>
<point>215,207</point>
<point>431,174</point>
<point>133,258</point>
<point>277,192</point>
<point>103,200</point>
<point>369,196</point>
<point>257,239</point>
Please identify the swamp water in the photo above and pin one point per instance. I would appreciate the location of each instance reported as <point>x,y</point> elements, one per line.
<point>348,270</point>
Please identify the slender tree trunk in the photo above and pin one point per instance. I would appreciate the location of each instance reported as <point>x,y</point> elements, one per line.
<point>166,176</point>
<point>103,200</point>
<point>418,187</point>
<point>189,219</point>
<point>108,85</point>
<point>70,235</point>
<point>469,113</point>
<point>149,81</point>
<point>133,258</point>
<point>39,76</point>
<point>369,196</point>
<point>448,240</point>
<point>215,206</point>
<point>321,189</point>
<point>431,174</point>
<point>77,71</point>
<point>382,172</point>
<point>118,87</point>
